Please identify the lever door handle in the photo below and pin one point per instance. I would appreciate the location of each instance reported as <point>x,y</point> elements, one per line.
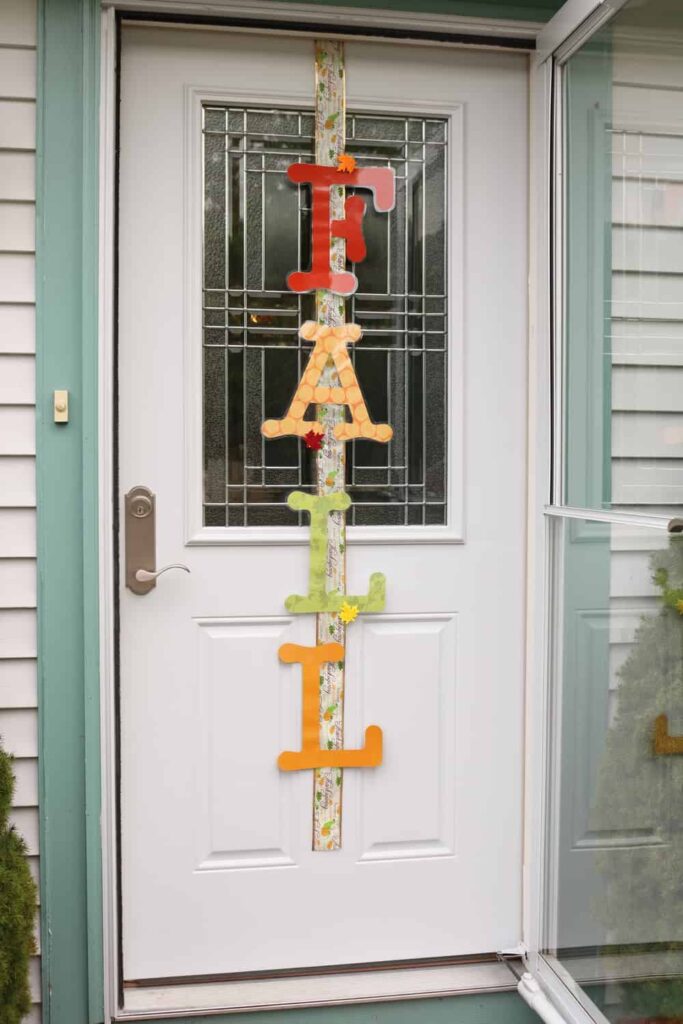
<point>144,576</point>
<point>140,541</point>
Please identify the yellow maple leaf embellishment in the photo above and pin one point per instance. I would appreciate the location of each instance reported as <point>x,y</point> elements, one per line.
<point>346,162</point>
<point>679,607</point>
<point>348,612</point>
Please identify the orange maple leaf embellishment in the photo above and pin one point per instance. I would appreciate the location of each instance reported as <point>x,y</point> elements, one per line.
<point>346,162</point>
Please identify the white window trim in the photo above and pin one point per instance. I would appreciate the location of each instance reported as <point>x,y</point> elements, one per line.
<point>196,534</point>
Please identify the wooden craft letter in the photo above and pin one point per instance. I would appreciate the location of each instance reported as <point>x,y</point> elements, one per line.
<point>380,181</point>
<point>330,343</point>
<point>311,756</point>
<point>664,744</point>
<point>318,598</point>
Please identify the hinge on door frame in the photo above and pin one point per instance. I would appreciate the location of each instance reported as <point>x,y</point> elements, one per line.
<point>528,987</point>
<point>534,996</point>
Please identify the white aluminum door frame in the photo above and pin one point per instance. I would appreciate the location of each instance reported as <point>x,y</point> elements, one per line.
<point>107,491</point>
<point>366,986</point>
<point>573,24</point>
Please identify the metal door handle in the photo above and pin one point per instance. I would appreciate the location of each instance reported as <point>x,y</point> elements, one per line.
<point>144,576</point>
<point>140,542</point>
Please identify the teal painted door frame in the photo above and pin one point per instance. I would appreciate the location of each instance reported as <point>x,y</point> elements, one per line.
<point>67,258</point>
<point>67,484</point>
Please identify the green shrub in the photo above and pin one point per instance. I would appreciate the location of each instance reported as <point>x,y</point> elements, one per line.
<point>17,908</point>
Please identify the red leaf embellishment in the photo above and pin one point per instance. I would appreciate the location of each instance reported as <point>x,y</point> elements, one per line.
<point>313,440</point>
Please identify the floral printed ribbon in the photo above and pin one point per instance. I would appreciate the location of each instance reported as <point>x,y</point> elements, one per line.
<point>330,132</point>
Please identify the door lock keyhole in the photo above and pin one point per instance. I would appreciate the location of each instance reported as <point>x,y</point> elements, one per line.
<point>142,507</point>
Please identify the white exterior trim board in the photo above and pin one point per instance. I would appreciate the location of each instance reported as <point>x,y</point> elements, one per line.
<point>336,16</point>
<point>323,990</point>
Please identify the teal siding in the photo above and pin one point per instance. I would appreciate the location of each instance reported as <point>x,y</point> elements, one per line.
<point>531,10</point>
<point>67,330</point>
<point>499,1008</point>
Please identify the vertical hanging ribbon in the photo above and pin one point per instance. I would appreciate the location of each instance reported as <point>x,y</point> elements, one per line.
<point>330,132</point>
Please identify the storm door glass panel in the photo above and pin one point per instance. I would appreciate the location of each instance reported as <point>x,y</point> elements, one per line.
<point>623,141</point>
<point>256,231</point>
<point>615,855</point>
<point>613,918</point>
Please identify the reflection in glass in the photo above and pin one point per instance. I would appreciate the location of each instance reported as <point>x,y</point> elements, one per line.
<point>257,230</point>
<point>615,860</point>
<point>623,145</point>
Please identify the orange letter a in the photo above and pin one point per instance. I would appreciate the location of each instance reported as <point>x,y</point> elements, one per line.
<point>330,343</point>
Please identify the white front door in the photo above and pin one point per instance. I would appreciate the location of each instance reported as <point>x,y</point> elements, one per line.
<point>217,871</point>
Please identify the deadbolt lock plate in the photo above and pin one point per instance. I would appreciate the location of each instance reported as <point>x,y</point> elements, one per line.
<point>140,519</point>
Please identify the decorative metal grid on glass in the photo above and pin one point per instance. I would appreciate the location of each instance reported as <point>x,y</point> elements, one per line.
<point>257,230</point>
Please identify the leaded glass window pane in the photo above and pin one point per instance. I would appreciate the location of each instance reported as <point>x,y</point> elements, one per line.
<point>256,231</point>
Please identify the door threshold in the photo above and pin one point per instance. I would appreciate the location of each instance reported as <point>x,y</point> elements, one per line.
<point>283,993</point>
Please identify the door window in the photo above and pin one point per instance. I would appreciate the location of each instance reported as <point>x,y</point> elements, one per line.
<point>256,231</point>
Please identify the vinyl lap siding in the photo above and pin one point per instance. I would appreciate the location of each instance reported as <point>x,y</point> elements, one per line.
<point>18,693</point>
<point>647,283</point>
<point>646,322</point>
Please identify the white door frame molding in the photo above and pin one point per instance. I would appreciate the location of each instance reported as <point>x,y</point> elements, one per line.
<point>341,19</point>
<point>365,986</point>
<point>107,560</point>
